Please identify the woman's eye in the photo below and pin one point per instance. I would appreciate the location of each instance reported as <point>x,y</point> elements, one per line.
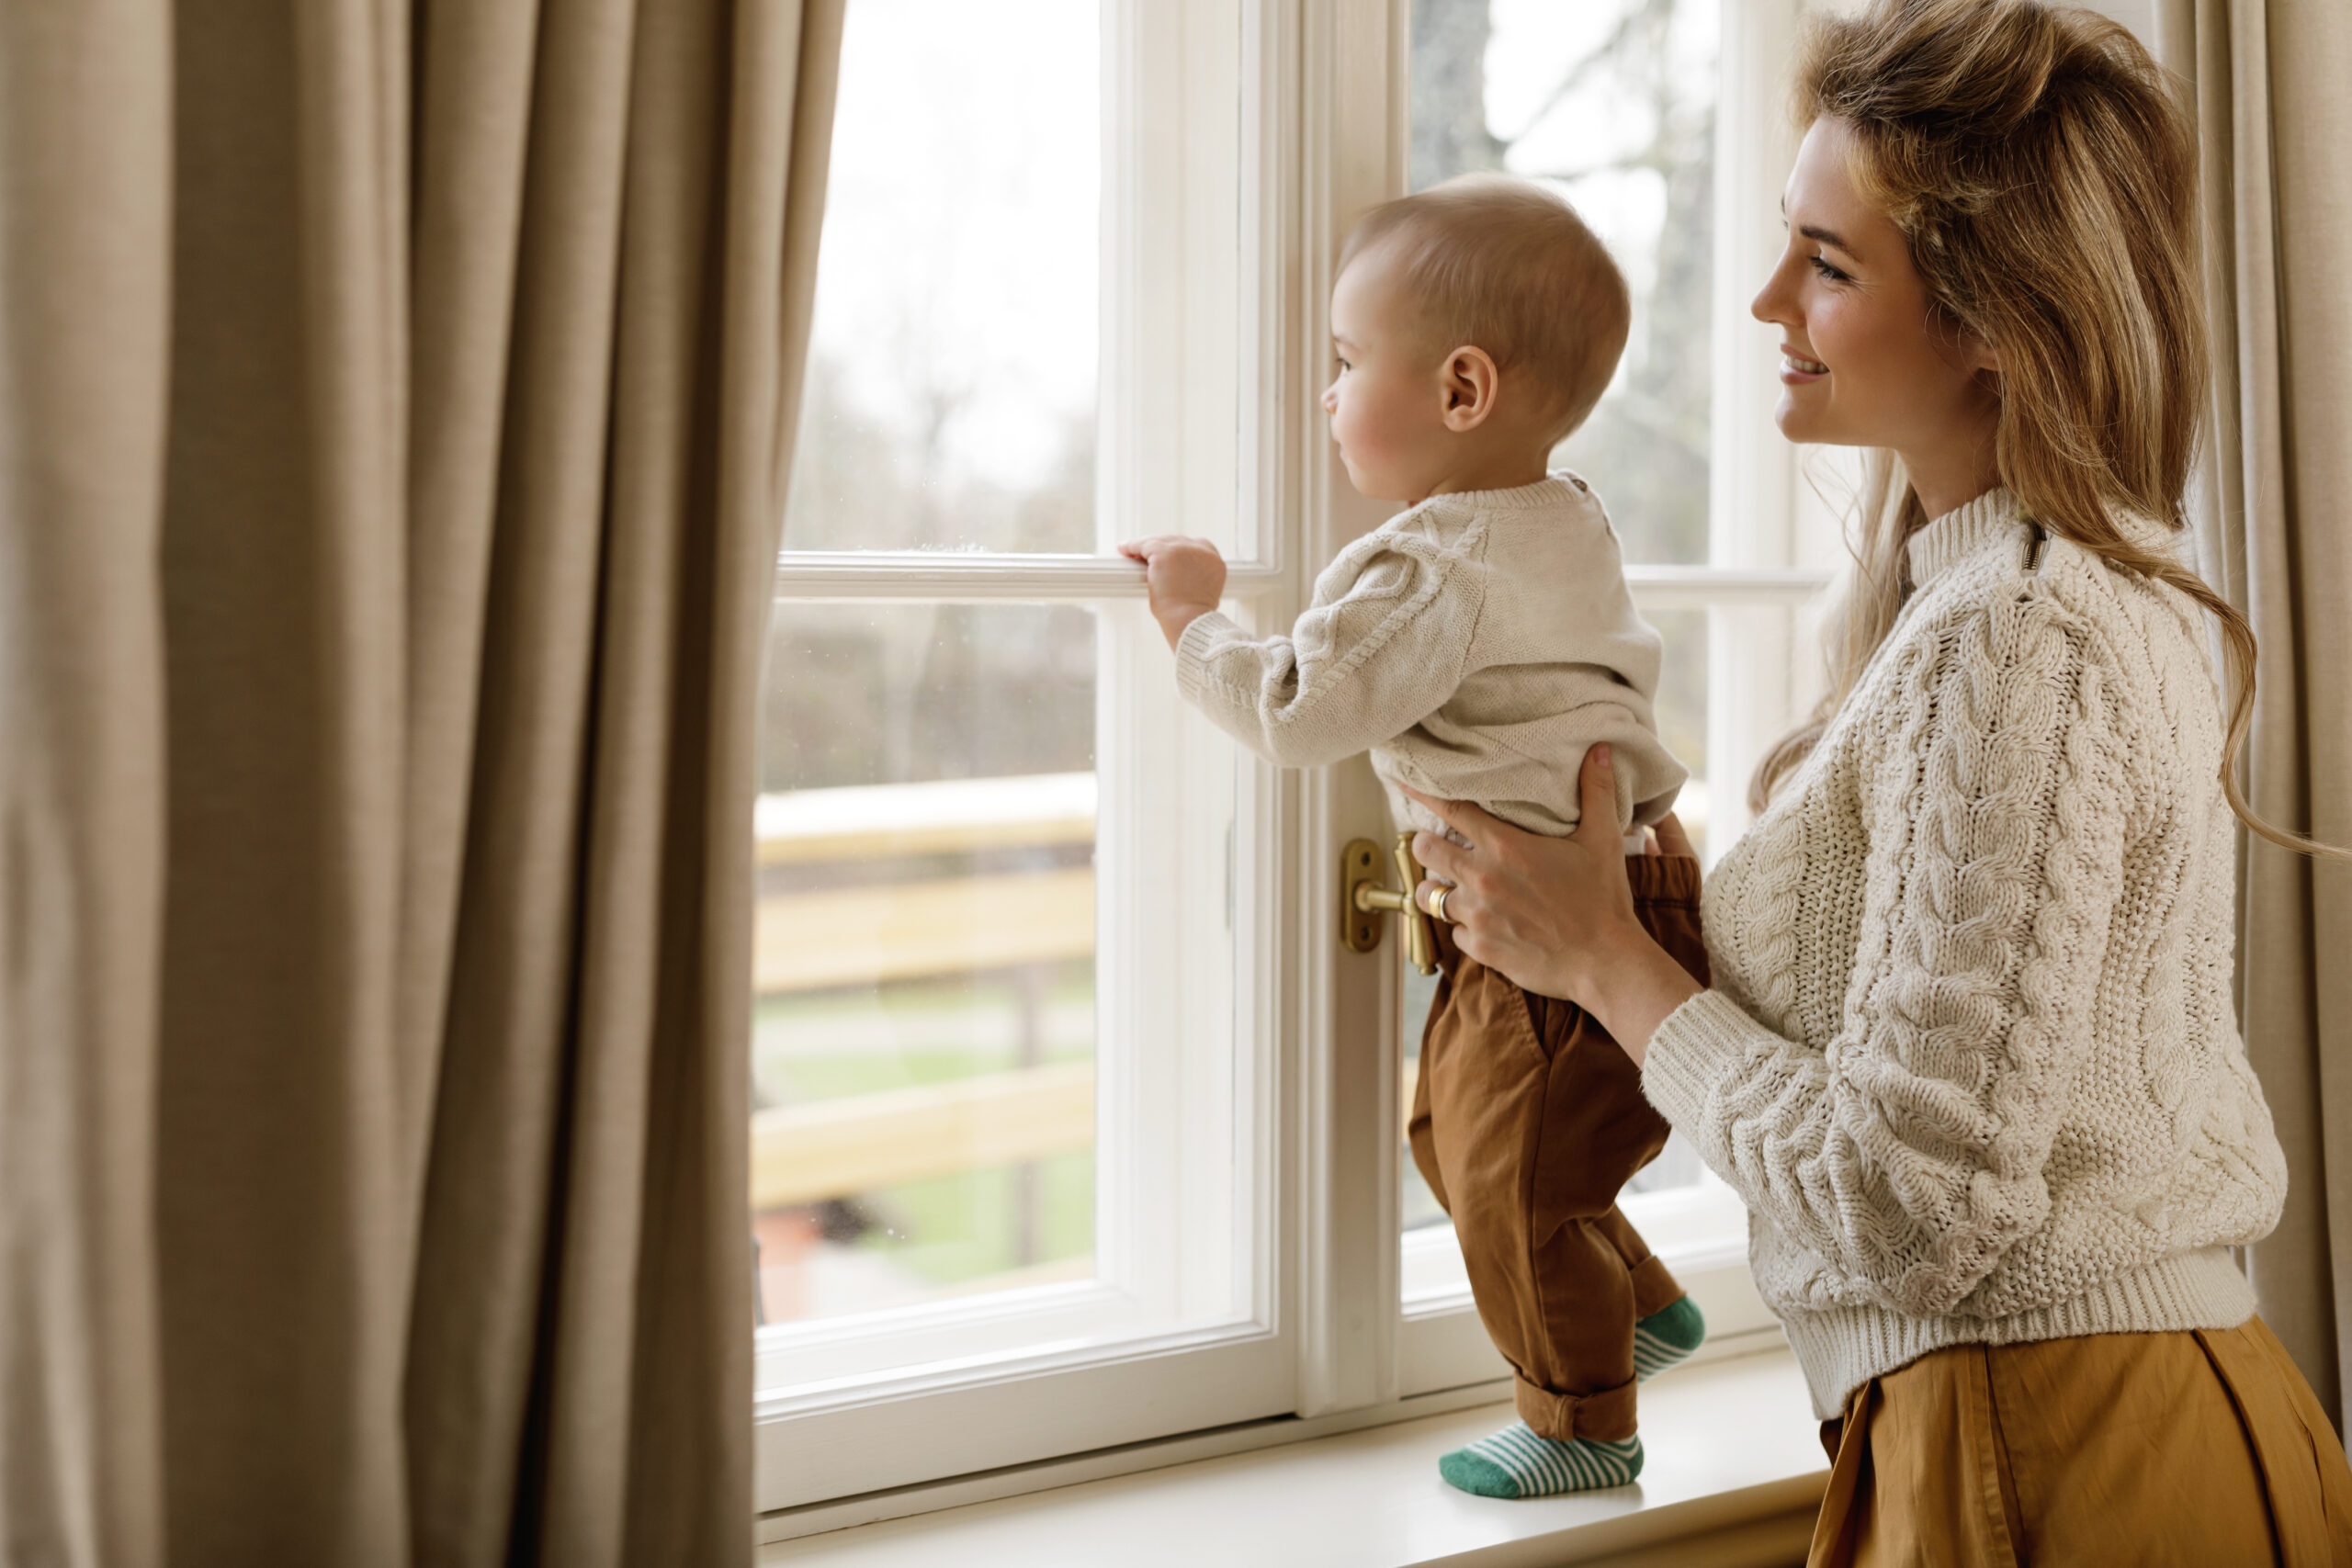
<point>1821,265</point>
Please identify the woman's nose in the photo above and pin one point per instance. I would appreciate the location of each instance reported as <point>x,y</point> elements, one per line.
<point>1771,303</point>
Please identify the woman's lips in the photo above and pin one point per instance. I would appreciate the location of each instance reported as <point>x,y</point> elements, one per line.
<point>1795,368</point>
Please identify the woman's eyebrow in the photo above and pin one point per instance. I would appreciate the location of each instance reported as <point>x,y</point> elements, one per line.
<point>1816,232</point>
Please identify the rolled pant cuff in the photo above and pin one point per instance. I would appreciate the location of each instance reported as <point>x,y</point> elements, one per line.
<point>1608,1416</point>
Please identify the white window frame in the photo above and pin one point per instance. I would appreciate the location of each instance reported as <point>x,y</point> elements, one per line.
<point>1323,137</point>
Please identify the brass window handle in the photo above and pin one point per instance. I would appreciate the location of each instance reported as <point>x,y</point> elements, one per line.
<point>1363,901</point>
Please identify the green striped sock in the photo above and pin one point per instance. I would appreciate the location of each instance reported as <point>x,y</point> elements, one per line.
<point>1515,1463</point>
<point>1665,1336</point>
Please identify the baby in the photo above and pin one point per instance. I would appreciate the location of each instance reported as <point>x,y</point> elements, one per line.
<point>1477,643</point>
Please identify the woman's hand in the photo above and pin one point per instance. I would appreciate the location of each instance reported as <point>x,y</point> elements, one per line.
<point>1555,915</point>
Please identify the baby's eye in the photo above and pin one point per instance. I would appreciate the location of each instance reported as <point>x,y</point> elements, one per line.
<point>1342,364</point>
<point>1821,265</point>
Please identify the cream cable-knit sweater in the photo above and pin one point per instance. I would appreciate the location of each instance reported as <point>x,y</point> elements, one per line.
<point>1970,1057</point>
<point>1475,644</point>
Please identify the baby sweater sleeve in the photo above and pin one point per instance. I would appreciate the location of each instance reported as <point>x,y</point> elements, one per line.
<point>1909,1152</point>
<point>1381,647</point>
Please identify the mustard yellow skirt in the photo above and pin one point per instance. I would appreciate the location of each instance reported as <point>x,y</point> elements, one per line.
<point>2204,1448</point>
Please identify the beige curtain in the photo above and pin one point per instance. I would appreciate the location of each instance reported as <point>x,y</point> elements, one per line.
<point>2274,533</point>
<point>395,401</point>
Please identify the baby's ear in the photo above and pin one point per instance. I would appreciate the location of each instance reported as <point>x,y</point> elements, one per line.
<point>1473,384</point>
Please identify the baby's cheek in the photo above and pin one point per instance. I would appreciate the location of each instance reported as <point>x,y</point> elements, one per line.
<point>1363,428</point>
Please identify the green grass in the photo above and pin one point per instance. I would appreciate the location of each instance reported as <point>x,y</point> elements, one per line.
<point>947,1230</point>
<point>955,1228</point>
<point>807,1048</point>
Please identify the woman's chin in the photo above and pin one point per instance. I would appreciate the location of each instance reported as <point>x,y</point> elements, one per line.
<point>1801,426</point>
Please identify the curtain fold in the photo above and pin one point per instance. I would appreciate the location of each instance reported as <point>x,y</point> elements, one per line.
<point>394,413</point>
<point>84,105</point>
<point>2273,121</point>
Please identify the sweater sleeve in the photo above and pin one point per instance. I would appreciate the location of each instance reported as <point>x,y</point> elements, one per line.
<point>1383,647</point>
<point>1909,1152</point>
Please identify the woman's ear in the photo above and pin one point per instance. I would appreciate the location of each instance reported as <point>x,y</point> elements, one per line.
<point>1471,383</point>
<point>1961,346</point>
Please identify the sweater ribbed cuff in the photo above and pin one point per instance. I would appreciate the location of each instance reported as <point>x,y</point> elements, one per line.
<point>1688,1055</point>
<point>1193,681</point>
<point>1841,1348</point>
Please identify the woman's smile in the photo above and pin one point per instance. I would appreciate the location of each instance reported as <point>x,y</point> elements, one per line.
<point>1796,369</point>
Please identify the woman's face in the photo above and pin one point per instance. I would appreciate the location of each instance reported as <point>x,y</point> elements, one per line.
<point>1863,362</point>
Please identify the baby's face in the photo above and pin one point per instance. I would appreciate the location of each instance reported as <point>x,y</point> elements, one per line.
<point>1388,396</point>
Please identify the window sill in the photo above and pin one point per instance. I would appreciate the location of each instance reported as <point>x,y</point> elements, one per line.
<point>1735,1474</point>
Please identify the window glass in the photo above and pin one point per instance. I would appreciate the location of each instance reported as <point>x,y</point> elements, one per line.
<point>951,394</point>
<point>997,1082</point>
<point>1613,104</point>
<point>923,1054</point>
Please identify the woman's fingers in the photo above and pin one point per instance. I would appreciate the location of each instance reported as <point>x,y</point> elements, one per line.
<point>1441,856</point>
<point>1597,789</point>
<point>1671,837</point>
<point>1441,859</point>
<point>1426,896</point>
<point>1459,815</point>
<point>1598,834</point>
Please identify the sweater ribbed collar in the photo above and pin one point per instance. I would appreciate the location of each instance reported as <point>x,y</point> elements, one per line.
<point>1991,520</point>
<point>1556,489</point>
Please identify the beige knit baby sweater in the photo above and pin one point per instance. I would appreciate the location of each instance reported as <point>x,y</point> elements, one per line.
<point>1475,644</point>
<point>1969,1058</point>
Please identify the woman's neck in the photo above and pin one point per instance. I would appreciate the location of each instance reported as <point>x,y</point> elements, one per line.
<point>1952,474</point>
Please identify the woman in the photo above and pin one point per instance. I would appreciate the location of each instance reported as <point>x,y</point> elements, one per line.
<point>1969,1057</point>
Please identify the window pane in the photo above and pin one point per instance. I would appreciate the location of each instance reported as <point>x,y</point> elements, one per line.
<point>951,385</point>
<point>1612,103</point>
<point>925,954</point>
<point>993,1045</point>
<point>1027,296</point>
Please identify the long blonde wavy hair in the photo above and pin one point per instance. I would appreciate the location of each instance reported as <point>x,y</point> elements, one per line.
<point>2044,169</point>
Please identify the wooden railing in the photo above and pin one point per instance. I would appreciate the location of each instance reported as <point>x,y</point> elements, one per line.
<point>864,936</point>
<point>802,1154</point>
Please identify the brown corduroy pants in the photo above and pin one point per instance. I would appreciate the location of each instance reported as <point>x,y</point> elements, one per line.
<point>1527,1120</point>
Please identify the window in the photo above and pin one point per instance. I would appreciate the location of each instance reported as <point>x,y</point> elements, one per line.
<point>1075,1122</point>
<point>1012,1141</point>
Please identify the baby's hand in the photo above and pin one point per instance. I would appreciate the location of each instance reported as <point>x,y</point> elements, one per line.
<point>1186,578</point>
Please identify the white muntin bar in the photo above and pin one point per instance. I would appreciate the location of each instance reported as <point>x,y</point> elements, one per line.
<point>935,577</point>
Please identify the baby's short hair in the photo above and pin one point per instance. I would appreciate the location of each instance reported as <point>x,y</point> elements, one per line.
<point>1506,266</point>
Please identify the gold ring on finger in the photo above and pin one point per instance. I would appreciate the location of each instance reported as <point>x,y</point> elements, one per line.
<point>1437,904</point>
